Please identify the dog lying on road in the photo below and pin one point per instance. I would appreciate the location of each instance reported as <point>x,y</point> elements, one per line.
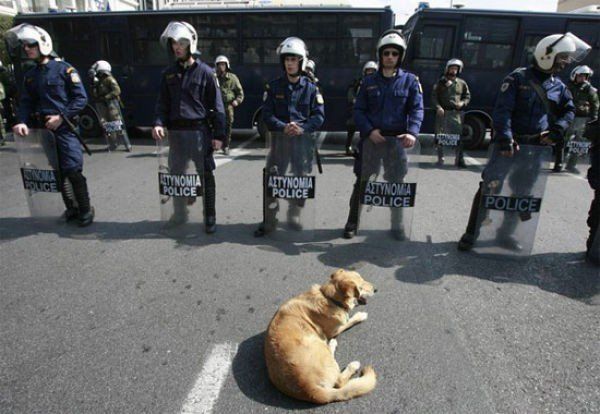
<point>300,344</point>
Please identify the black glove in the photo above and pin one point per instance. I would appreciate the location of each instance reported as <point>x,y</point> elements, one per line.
<point>557,136</point>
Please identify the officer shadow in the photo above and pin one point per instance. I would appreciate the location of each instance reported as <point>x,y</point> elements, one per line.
<point>250,373</point>
<point>566,274</point>
<point>187,235</point>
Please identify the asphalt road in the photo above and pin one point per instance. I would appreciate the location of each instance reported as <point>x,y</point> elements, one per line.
<point>123,318</point>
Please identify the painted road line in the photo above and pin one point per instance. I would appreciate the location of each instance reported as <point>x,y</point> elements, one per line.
<point>206,389</point>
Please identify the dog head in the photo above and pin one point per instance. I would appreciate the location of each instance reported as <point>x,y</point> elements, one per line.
<point>348,289</point>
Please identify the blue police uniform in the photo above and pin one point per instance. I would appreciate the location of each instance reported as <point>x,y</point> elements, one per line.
<point>50,89</point>
<point>519,111</point>
<point>293,102</point>
<point>299,102</point>
<point>190,99</point>
<point>520,116</point>
<point>393,105</point>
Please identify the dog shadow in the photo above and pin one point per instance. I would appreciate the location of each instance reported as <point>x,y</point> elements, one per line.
<point>250,373</point>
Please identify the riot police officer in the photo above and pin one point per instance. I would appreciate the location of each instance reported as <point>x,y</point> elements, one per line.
<point>52,96</point>
<point>190,100</point>
<point>311,71</point>
<point>389,103</point>
<point>368,69</point>
<point>293,106</point>
<point>585,99</point>
<point>107,97</point>
<point>232,93</point>
<point>593,176</point>
<point>534,107</point>
<point>450,95</point>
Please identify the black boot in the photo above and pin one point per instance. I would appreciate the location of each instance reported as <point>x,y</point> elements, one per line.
<point>440,155</point>
<point>558,157</point>
<point>460,157</point>
<point>80,190</point>
<point>397,225</point>
<point>210,195</point>
<point>468,239</point>
<point>66,191</point>
<point>351,227</point>
<point>349,139</point>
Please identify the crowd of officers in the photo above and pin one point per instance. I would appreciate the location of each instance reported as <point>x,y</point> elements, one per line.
<point>386,102</point>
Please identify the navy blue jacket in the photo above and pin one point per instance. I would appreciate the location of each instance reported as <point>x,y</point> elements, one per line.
<point>190,94</point>
<point>520,111</point>
<point>49,89</point>
<point>392,104</point>
<point>298,102</point>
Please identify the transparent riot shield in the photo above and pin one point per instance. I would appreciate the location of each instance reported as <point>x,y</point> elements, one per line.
<point>388,187</point>
<point>577,145</point>
<point>289,202</point>
<point>511,200</point>
<point>40,173</point>
<point>181,181</point>
<point>448,146</point>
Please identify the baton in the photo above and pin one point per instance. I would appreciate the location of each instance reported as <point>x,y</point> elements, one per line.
<point>74,130</point>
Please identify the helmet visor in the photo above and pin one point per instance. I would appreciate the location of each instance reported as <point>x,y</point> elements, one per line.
<point>576,53</point>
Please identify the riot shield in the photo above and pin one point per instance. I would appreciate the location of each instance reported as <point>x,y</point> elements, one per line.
<point>511,199</point>
<point>388,186</point>
<point>289,186</point>
<point>577,144</point>
<point>448,144</point>
<point>181,180</point>
<point>38,159</point>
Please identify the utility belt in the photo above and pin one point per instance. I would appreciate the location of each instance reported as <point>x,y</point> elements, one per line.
<point>186,124</point>
<point>532,139</point>
<point>392,133</point>
<point>38,120</point>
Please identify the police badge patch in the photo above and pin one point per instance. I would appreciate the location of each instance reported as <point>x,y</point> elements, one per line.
<point>320,100</point>
<point>504,87</point>
<point>75,77</point>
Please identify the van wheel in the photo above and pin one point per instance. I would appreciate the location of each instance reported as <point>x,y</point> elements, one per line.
<point>473,133</point>
<point>89,124</point>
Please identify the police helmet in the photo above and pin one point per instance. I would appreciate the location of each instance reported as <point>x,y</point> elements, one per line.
<point>454,62</point>
<point>26,33</point>
<point>102,66</point>
<point>546,50</point>
<point>581,70</point>
<point>311,66</point>
<point>293,46</point>
<point>371,64</point>
<point>222,59</point>
<point>180,32</point>
<point>391,38</point>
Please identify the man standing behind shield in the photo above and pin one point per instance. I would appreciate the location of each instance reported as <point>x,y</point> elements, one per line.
<point>293,107</point>
<point>190,100</point>
<point>52,91</point>
<point>450,95</point>
<point>534,107</point>
<point>389,103</point>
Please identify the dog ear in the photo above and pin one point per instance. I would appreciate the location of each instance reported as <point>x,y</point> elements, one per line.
<point>337,273</point>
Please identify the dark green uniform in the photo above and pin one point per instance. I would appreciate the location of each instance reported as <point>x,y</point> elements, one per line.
<point>106,93</point>
<point>451,95</point>
<point>350,125</point>
<point>585,99</point>
<point>231,90</point>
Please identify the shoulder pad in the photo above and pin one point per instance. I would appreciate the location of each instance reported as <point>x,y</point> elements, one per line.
<point>593,90</point>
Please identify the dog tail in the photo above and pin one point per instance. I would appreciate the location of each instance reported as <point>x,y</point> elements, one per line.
<point>354,388</point>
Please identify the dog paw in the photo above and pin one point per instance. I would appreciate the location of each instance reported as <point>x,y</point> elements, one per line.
<point>360,316</point>
<point>333,342</point>
<point>354,366</point>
